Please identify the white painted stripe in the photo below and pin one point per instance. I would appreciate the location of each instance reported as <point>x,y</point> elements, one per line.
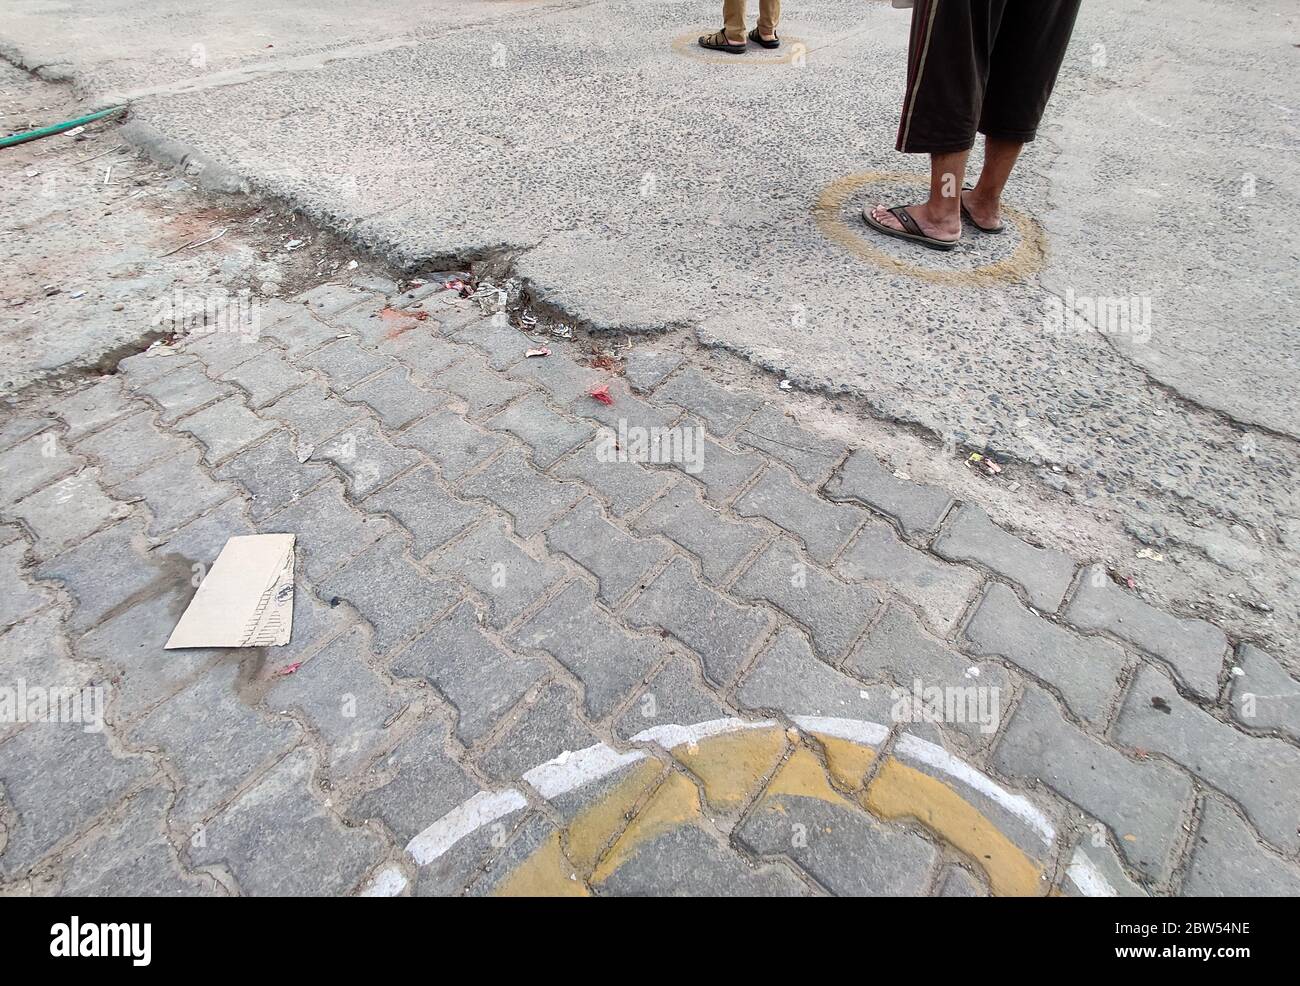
<point>940,759</point>
<point>1085,875</point>
<point>672,736</point>
<point>388,882</point>
<point>857,730</point>
<point>467,817</point>
<point>571,770</point>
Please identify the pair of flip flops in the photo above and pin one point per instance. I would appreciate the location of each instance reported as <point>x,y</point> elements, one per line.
<point>720,42</point>
<point>912,231</point>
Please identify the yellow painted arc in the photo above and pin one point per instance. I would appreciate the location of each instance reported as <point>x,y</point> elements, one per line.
<point>545,873</point>
<point>730,765</point>
<point>675,802</point>
<point>900,791</point>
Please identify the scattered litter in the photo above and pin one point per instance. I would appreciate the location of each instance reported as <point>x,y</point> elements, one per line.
<point>77,294</point>
<point>288,669</point>
<point>352,265</point>
<point>74,131</point>
<point>246,600</point>
<point>973,671</point>
<point>601,393</point>
<point>1258,607</point>
<point>527,320</point>
<point>196,243</point>
<point>975,460</point>
<point>1237,672</point>
<point>1149,553</point>
<point>540,351</point>
<point>390,312</point>
<point>604,361</point>
<point>563,331</point>
<point>785,385</point>
<point>305,452</point>
<point>899,474</point>
<point>863,694</point>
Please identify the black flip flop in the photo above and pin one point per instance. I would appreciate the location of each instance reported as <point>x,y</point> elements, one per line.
<point>910,231</point>
<point>965,214</point>
<point>762,42</point>
<point>712,42</point>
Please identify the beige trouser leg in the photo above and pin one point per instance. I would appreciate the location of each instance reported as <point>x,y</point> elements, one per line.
<point>733,17</point>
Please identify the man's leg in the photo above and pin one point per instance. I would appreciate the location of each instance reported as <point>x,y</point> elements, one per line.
<point>769,13</point>
<point>984,201</point>
<point>1031,44</point>
<point>946,68</point>
<point>733,20</point>
<point>938,216</point>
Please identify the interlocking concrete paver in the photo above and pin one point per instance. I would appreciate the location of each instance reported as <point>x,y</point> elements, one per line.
<point>548,435</point>
<point>131,856</point>
<point>718,543</point>
<point>390,592</point>
<point>366,457</point>
<point>1261,774</point>
<point>34,463</point>
<point>281,818</point>
<point>1086,670</point>
<point>328,530</point>
<point>213,754</point>
<point>420,505</point>
<point>942,592</point>
<point>531,499</point>
<point>541,730</point>
<point>395,397</point>
<point>619,561</point>
<point>507,576</point>
<point>420,782</point>
<point>272,474</point>
<point>823,527</point>
<point>478,678</point>
<point>1044,574</point>
<point>344,701</point>
<point>50,805</point>
<point>66,511</point>
<point>917,508</point>
<point>720,631</point>
<point>457,446</point>
<point>1143,802</point>
<point>1228,862</point>
<point>1264,696</point>
<point>834,612</point>
<point>224,428</point>
<point>1194,648</point>
<point>721,409</point>
<point>606,659</point>
<point>807,454</point>
<point>624,486</point>
<point>129,446</point>
<point>90,408</point>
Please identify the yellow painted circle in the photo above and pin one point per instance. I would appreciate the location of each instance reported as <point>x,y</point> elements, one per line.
<point>860,240</point>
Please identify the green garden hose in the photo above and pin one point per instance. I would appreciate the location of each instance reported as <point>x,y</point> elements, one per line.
<point>57,128</point>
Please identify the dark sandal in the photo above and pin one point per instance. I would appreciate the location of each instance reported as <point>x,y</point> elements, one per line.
<point>762,42</point>
<point>965,214</point>
<point>720,42</point>
<point>910,231</point>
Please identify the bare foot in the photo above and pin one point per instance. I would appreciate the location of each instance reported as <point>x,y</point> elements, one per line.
<point>985,211</point>
<point>936,227</point>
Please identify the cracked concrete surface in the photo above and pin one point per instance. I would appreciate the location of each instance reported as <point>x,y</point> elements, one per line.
<point>641,188</point>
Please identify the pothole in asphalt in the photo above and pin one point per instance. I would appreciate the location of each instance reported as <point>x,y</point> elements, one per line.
<point>793,51</point>
<point>978,259</point>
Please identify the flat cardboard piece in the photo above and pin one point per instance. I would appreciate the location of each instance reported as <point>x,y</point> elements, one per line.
<point>247,598</point>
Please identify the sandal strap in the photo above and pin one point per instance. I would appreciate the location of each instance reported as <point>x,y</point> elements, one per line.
<point>905,220</point>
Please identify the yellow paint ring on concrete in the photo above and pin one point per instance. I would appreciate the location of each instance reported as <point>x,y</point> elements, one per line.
<point>1026,259</point>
